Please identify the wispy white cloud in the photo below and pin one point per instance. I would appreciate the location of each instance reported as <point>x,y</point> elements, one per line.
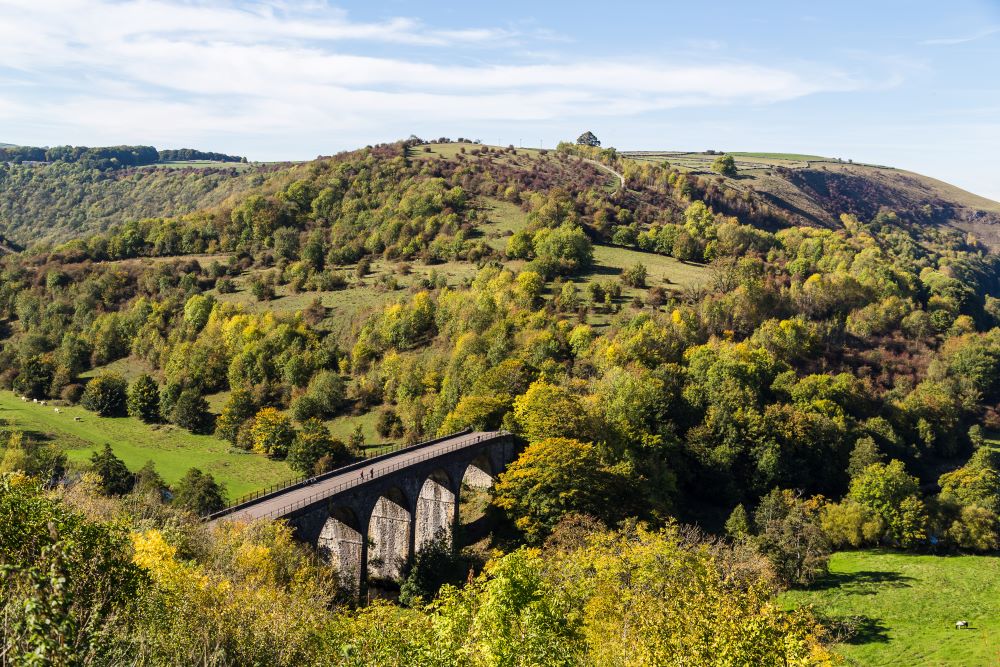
<point>962,39</point>
<point>177,71</point>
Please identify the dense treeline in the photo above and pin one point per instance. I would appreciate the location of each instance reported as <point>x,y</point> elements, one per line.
<point>109,157</point>
<point>827,388</point>
<point>180,154</point>
<point>71,200</point>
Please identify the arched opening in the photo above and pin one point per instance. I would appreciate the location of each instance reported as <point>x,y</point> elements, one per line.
<point>340,543</point>
<point>389,536</point>
<point>474,500</point>
<point>435,509</point>
<point>479,473</point>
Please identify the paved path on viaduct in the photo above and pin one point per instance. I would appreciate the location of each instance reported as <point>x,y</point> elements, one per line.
<point>371,517</point>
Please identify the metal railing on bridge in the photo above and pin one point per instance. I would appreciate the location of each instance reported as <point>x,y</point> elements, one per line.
<point>376,472</point>
<point>295,481</point>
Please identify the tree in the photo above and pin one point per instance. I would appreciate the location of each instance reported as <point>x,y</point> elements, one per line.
<point>238,409</point>
<point>554,477</point>
<point>271,433</point>
<point>144,399</point>
<point>329,391</point>
<point>635,276</point>
<point>106,395</point>
<point>892,493</point>
<point>790,536</point>
<point>977,483</point>
<point>738,523</point>
<point>435,565</point>
<point>563,250</point>
<point>34,378</point>
<point>116,479</point>
<point>588,139</point>
<point>548,411</point>
<point>313,444</point>
<point>725,165</point>
<point>148,481</point>
<point>864,454</point>
<point>199,493</point>
<point>191,412</point>
<point>388,423</point>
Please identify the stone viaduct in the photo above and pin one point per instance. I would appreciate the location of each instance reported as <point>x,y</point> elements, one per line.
<point>371,517</point>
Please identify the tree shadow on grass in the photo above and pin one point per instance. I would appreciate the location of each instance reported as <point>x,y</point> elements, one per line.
<point>855,630</point>
<point>595,270</point>
<point>863,582</point>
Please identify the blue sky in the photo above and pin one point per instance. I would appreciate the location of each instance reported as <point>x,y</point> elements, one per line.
<point>910,84</point>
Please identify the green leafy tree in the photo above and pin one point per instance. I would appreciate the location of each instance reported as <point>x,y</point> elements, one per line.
<point>725,165</point>
<point>738,523</point>
<point>547,411</point>
<point>789,535</point>
<point>314,444</point>
<point>191,412</point>
<point>977,483</point>
<point>106,395</point>
<point>564,250</point>
<point>239,409</point>
<point>864,454</point>
<point>635,276</point>
<point>199,493</point>
<point>148,481</point>
<point>588,139</point>
<point>554,477</point>
<point>271,433</point>
<point>144,399</point>
<point>892,493</point>
<point>116,478</point>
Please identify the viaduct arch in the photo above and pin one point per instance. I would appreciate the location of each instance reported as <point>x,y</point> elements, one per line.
<point>370,518</point>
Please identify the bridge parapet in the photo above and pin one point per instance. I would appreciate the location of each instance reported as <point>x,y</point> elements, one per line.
<point>375,515</point>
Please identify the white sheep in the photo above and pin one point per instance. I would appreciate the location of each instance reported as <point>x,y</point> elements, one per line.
<point>57,410</point>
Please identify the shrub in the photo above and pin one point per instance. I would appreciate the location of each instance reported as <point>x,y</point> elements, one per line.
<point>116,479</point>
<point>106,395</point>
<point>199,493</point>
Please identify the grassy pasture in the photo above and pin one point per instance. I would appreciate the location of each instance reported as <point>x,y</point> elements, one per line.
<point>610,261</point>
<point>906,606</point>
<point>173,449</point>
<point>129,368</point>
<point>798,157</point>
<point>503,220</point>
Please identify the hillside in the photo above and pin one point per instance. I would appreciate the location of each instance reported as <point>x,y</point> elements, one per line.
<point>61,201</point>
<point>800,358</point>
<point>813,190</point>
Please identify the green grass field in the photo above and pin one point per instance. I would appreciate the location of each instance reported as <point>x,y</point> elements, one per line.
<point>779,156</point>
<point>907,606</point>
<point>610,261</point>
<point>129,368</point>
<point>174,450</point>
